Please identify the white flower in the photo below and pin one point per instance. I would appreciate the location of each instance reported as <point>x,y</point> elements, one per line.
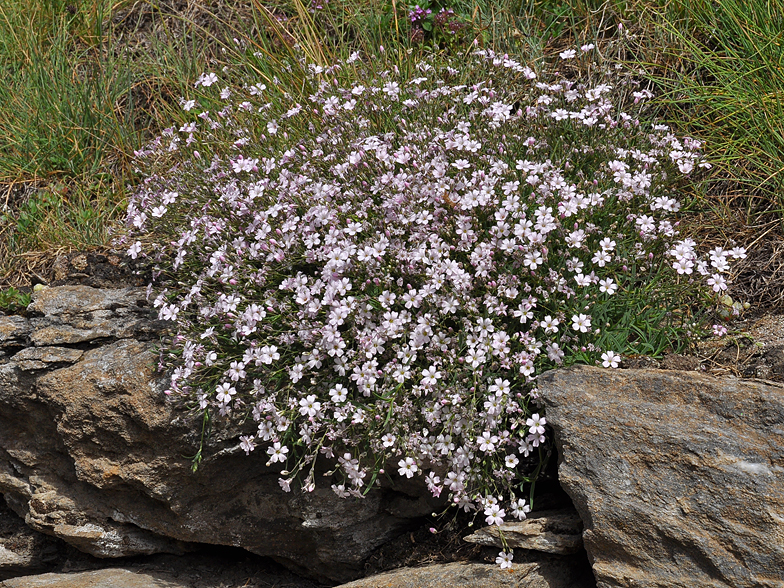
<point>610,359</point>
<point>225,392</point>
<point>266,430</point>
<point>581,323</point>
<point>717,282</point>
<point>568,54</point>
<point>520,509</point>
<point>430,376</point>
<point>555,353</point>
<point>236,371</point>
<point>387,298</point>
<point>487,442</point>
<point>525,447</point>
<point>601,258</point>
<point>500,386</point>
<point>309,406</point>
<point>206,80</point>
<point>407,467</point>
<point>295,373</point>
<point>168,312</point>
<point>536,424</point>
<point>169,197</point>
<point>338,394</point>
<point>247,444</point>
<point>493,405</point>
<point>582,280</point>
<point>388,440</point>
<point>738,252</point>
<point>511,461</point>
<point>504,559</point>
<point>550,325</point>
<point>527,368</point>
<point>392,89</point>
<point>135,249</point>
<point>575,238</point>
<point>268,353</point>
<point>683,266</point>
<point>607,244</point>
<point>494,515</point>
<point>536,439</point>
<point>489,501</point>
<point>608,286</point>
<point>721,264</point>
<point>475,357</point>
<point>533,259</point>
<point>277,453</point>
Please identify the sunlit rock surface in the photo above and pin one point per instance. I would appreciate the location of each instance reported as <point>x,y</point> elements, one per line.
<point>677,476</point>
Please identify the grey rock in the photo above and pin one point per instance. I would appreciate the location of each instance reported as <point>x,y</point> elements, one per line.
<point>546,531</point>
<point>92,453</point>
<point>38,358</point>
<point>107,578</point>
<point>69,315</point>
<point>13,331</point>
<point>678,477</point>
<point>69,301</point>
<point>549,573</point>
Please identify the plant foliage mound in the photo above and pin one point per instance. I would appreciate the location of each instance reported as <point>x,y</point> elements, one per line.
<point>377,271</point>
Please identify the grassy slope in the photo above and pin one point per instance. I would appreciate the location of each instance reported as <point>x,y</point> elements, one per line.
<point>89,81</point>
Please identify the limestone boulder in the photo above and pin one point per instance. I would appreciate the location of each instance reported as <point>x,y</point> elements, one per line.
<point>91,452</point>
<point>678,477</point>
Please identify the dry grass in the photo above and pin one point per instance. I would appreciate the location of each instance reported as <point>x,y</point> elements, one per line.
<point>167,43</point>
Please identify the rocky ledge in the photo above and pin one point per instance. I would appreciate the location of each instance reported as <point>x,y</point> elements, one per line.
<point>91,453</point>
<point>677,477</point>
